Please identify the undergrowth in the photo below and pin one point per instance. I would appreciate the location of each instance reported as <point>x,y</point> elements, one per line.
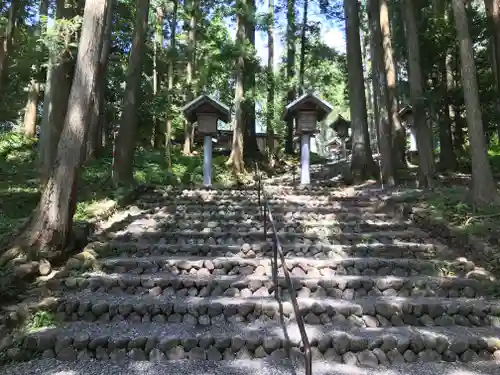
<point>19,185</point>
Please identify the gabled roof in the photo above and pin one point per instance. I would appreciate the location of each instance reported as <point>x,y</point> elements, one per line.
<point>190,108</point>
<point>323,107</point>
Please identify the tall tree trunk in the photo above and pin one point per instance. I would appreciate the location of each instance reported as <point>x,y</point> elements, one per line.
<point>30,112</point>
<point>50,225</point>
<point>370,108</point>
<point>156,137</point>
<point>270,78</point>
<point>447,157</point>
<point>55,100</point>
<point>426,158</point>
<point>303,45</point>
<point>125,141</point>
<point>382,92</point>
<point>94,141</point>
<point>290,71</point>
<point>251,150</point>
<point>362,164</point>
<point>191,42</point>
<point>398,133</point>
<point>171,61</point>
<point>493,11</point>
<point>6,41</point>
<point>484,191</point>
<point>236,157</point>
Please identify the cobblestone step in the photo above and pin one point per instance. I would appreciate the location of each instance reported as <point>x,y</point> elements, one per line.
<point>318,310</point>
<point>298,266</point>
<point>353,346</point>
<point>260,283</point>
<point>313,249</point>
<point>213,237</point>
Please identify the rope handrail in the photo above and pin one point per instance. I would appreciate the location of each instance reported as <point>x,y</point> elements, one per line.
<point>278,250</point>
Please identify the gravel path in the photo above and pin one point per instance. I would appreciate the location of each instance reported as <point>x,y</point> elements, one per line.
<point>240,367</point>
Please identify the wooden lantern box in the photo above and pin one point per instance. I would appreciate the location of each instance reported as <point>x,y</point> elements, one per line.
<point>306,122</point>
<point>206,112</point>
<point>207,123</point>
<point>307,111</point>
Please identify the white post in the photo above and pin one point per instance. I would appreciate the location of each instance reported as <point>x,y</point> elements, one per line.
<point>305,178</point>
<point>207,161</point>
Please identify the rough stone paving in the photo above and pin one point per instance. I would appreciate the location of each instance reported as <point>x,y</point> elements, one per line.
<point>181,282</point>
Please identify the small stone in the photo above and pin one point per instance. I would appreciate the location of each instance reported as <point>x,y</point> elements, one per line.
<point>350,358</point>
<point>197,353</point>
<point>100,308</point>
<point>44,267</point>
<point>459,345</point>
<point>395,357</point>
<point>270,344</point>
<point>367,358</point>
<point>118,355</point>
<point>156,355</point>
<point>48,354</point>
<point>449,356</point>
<point>137,354</point>
<point>101,354</point>
<point>67,354</point>
<point>410,356</point>
<point>429,355</point>
<point>176,353</point>
<point>213,354</point>
<point>381,356</point>
<point>469,356</point>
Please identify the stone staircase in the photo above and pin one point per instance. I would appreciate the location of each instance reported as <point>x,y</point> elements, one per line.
<point>182,283</point>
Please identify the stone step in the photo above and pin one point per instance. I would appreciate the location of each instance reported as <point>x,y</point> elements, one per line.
<point>302,226</point>
<point>298,266</point>
<point>253,249</point>
<point>275,200</point>
<point>205,282</point>
<point>213,237</point>
<point>160,214</point>
<point>263,366</point>
<point>253,208</point>
<point>367,347</point>
<point>362,312</point>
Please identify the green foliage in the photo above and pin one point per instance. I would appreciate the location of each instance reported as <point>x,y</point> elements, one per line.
<point>40,320</point>
<point>19,189</point>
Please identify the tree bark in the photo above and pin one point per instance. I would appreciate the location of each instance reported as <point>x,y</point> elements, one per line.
<point>191,41</point>
<point>6,42</point>
<point>493,12</point>
<point>30,112</point>
<point>236,157</point>
<point>378,67</point>
<point>270,78</point>
<point>447,157</point>
<point>303,45</point>
<point>55,101</point>
<point>483,191</point>
<point>50,225</point>
<point>157,134</point>
<point>170,87</point>
<point>362,164</point>
<point>94,141</point>
<point>125,141</point>
<point>426,157</point>
<point>398,133</point>
<point>290,71</point>
<point>250,147</point>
